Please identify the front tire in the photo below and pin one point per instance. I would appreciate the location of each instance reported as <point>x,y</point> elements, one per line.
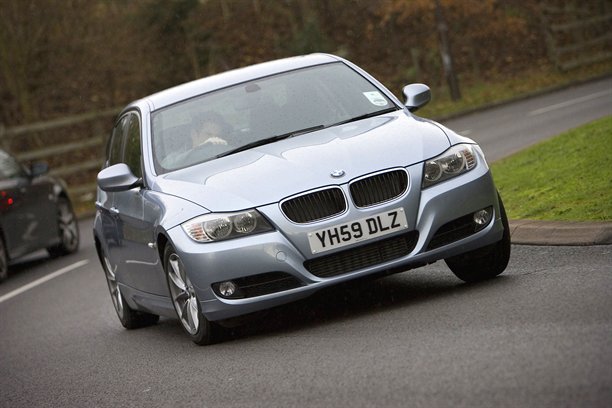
<point>68,229</point>
<point>201,331</point>
<point>129,318</point>
<point>486,262</point>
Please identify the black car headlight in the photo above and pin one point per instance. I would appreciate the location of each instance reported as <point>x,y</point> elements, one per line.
<point>455,161</point>
<point>222,226</point>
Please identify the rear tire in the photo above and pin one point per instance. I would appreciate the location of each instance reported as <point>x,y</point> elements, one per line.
<point>3,261</point>
<point>186,303</point>
<point>486,262</point>
<point>129,318</point>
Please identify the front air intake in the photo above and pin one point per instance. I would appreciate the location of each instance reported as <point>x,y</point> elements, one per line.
<point>315,205</point>
<point>379,188</point>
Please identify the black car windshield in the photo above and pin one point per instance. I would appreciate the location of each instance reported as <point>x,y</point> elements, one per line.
<point>221,122</point>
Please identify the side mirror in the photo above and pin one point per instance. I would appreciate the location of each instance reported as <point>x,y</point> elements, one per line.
<point>118,177</point>
<point>38,169</point>
<point>417,96</point>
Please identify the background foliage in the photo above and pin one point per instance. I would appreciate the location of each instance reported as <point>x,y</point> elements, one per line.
<point>60,57</point>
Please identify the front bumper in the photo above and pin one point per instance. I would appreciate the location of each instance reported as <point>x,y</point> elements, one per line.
<point>285,252</point>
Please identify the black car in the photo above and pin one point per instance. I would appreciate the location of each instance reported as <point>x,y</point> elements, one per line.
<point>35,212</point>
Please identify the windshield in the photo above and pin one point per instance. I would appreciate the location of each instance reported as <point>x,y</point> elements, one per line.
<point>261,111</point>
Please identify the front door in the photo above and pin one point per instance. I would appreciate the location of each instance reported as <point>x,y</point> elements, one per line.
<point>141,267</point>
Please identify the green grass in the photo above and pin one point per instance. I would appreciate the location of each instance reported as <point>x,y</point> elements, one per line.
<point>566,178</point>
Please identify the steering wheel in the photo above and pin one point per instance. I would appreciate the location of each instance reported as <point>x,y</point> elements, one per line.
<point>206,150</point>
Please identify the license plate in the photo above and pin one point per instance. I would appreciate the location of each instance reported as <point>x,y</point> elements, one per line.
<point>361,230</point>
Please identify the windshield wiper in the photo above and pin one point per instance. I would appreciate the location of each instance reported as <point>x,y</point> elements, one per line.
<point>271,139</point>
<point>367,115</point>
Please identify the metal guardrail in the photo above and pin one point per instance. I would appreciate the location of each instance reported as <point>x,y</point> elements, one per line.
<point>77,158</point>
<point>581,38</point>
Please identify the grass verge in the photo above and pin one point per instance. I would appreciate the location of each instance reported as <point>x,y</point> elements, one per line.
<point>566,178</point>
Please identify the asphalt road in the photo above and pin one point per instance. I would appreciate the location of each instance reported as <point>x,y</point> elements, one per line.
<point>511,127</point>
<point>539,335</point>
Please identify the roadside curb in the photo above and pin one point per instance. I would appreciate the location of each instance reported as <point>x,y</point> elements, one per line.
<point>555,233</point>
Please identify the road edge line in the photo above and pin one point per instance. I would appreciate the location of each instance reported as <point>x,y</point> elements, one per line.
<point>42,280</point>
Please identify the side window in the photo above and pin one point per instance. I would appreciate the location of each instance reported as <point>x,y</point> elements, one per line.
<point>132,145</point>
<point>115,143</point>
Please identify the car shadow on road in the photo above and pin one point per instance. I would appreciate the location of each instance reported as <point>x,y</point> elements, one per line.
<point>355,300</point>
<point>348,301</point>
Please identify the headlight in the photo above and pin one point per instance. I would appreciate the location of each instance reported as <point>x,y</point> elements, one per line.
<point>455,161</point>
<point>218,226</point>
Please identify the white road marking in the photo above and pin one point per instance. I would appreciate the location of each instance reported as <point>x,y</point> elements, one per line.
<point>465,132</point>
<point>569,102</point>
<point>44,279</point>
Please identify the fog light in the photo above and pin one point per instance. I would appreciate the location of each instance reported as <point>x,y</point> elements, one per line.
<point>483,217</point>
<point>227,289</point>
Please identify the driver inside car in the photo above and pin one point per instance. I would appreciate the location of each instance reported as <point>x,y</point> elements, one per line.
<point>206,134</point>
<point>208,128</point>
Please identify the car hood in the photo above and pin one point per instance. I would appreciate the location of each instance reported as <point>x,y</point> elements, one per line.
<point>270,173</point>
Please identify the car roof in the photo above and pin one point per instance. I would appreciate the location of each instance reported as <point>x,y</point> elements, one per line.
<point>191,89</point>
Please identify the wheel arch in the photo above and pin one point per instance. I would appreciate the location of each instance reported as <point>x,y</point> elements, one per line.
<point>98,245</point>
<point>162,241</point>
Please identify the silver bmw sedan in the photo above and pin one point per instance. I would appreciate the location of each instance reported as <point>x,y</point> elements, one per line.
<point>259,186</point>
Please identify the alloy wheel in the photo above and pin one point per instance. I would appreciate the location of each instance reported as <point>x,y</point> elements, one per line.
<point>113,287</point>
<point>69,229</point>
<point>183,295</point>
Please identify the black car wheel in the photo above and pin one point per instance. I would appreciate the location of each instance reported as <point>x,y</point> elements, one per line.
<point>200,330</point>
<point>129,318</point>
<point>68,229</point>
<point>486,262</point>
<point>3,261</point>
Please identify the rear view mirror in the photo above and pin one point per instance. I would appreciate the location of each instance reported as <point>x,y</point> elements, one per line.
<point>118,177</point>
<point>38,169</point>
<point>417,96</point>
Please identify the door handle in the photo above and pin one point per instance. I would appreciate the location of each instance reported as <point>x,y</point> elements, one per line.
<point>114,210</point>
